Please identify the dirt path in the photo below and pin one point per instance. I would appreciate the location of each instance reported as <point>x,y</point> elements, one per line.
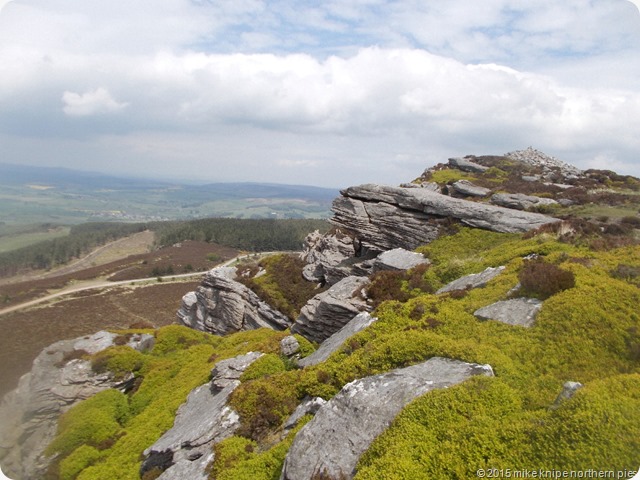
<point>101,283</point>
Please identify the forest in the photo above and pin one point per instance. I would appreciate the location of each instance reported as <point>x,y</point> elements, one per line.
<point>257,235</point>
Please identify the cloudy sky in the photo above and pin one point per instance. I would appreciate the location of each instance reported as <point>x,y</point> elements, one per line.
<point>327,93</point>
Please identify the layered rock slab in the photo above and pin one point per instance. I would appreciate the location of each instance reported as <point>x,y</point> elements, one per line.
<point>333,343</point>
<point>222,305</point>
<point>185,450</point>
<point>329,311</point>
<point>330,445</point>
<point>385,217</point>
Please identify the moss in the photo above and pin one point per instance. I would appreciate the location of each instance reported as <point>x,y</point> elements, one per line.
<point>91,422</point>
<point>266,365</point>
<point>81,458</point>
<point>306,347</point>
<point>238,458</point>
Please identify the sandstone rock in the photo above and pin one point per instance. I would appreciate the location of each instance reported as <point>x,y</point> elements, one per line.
<point>475,280</point>
<point>431,186</point>
<point>385,217</point>
<point>467,188</point>
<point>331,443</point>
<point>323,253</point>
<point>333,343</point>
<point>329,311</point>
<point>519,201</point>
<point>398,259</point>
<point>228,371</point>
<point>518,311</point>
<point>29,414</point>
<point>467,165</point>
<point>382,226</point>
<point>222,305</point>
<point>289,346</point>
<point>202,421</point>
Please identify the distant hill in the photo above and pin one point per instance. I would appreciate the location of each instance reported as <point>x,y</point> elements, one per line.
<point>59,195</point>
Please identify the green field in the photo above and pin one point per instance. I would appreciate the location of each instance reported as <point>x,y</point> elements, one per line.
<point>13,237</point>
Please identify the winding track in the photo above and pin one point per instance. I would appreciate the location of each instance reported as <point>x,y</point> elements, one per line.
<point>99,284</point>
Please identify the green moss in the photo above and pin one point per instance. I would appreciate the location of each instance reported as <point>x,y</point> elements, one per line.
<point>266,365</point>
<point>81,458</point>
<point>91,422</point>
<point>306,347</point>
<point>238,458</point>
<point>450,176</point>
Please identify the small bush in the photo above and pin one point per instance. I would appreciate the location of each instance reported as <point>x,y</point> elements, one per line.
<point>630,220</point>
<point>542,280</point>
<point>266,365</point>
<point>72,355</point>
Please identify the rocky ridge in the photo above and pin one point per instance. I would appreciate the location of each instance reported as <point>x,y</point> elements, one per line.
<point>376,227</point>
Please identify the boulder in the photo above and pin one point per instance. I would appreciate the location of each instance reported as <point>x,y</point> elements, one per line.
<point>520,201</point>
<point>385,217</point>
<point>58,380</point>
<point>329,311</point>
<point>464,187</point>
<point>475,280</point>
<point>289,346</point>
<point>333,343</point>
<point>517,311</point>
<point>330,445</point>
<point>467,165</point>
<point>398,259</point>
<point>202,421</point>
<point>324,253</point>
<point>222,305</point>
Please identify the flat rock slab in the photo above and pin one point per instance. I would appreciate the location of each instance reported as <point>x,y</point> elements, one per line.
<point>518,311</point>
<point>475,280</point>
<point>330,445</point>
<point>333,343</point>
<point>398,259</point>
<point>466,165</point>
<point>465,187</point>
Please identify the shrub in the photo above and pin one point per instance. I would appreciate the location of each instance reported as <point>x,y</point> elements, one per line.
<point>542,280</point>
<point>630,220</point>
<point>80,459</point>
<point>266,365</point>
<point>72,355</point>
<point>386,285</point>
<point>120,360</point>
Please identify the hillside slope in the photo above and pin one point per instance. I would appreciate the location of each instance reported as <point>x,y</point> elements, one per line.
<point>537,344</point>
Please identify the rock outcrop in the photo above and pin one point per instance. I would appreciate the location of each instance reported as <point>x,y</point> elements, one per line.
<point>466,165</point>
<point>330,445</point>
<point>517,311</point>
<point>222,305</point>
<point>59,379</point>
<point>329,311</point>
<point>385,217</point>
<point>333,343</point>
<point>203,420</point>
<point>324,254</point>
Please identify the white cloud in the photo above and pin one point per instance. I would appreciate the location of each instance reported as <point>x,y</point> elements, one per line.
<point>378,80</point>
<point>98,101</point>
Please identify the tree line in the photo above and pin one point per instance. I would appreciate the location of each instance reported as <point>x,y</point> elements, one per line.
<point>257,235</point>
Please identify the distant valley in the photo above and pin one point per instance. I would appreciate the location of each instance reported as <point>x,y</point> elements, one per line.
<point>36,195</point>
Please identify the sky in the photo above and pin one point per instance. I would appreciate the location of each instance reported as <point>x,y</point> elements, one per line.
<point>331,93</point>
